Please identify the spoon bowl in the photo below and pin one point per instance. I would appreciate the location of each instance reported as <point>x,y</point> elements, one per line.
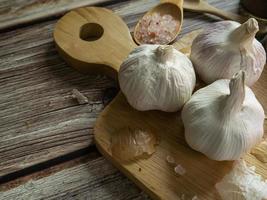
<point>174,8</point>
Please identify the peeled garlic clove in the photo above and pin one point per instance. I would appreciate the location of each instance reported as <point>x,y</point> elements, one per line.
<point>226,47</point>
<point>223,120</point>
<point>242,183</point>
<point>130,143</point>
<point>157,77</point>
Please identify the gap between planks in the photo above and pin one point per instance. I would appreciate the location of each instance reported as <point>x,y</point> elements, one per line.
<point>91,152</point>
<point>14,14</point>
<point>86,177</point>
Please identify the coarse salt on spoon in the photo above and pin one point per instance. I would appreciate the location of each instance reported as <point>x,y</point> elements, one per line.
<point>161,24</point>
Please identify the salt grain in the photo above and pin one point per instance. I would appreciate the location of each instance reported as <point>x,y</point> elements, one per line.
<point>242,183</point>
<point>179,170</point>
<point>156,29</point>
<point>195,198</point>
<point>170,160</point>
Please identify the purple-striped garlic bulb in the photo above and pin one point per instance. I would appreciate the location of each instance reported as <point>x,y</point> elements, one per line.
<point>226,47</point>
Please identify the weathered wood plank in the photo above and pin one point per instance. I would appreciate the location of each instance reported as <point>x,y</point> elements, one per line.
<point>83,178</point>
<point>38,118</point>
<point>17,12</point>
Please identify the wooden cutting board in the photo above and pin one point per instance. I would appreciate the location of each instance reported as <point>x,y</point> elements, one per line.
<point>108,43</point>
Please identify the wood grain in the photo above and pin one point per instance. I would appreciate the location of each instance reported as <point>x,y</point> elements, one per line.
<point>157,177</point>
<point>109,43</point>
<point>82,178</point>
<point>17,12</point>
<point>203,7</point>
<point>39,120</point>
<point>35,92</point>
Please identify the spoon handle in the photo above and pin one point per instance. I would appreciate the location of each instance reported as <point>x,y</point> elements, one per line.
<point>203,6</point>
<point>223,14</point>
<point>93,39</point>
<point>179,3</point>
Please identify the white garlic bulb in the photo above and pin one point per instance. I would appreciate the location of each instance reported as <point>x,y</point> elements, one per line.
<point>157,77</point>
<point>226,47</point>
<point>223,120</point>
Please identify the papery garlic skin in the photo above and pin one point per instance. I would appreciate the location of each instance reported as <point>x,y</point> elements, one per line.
<point>157,77</point>
<point>131,142</point>
<point>226,47</point>
<point>223,123</point>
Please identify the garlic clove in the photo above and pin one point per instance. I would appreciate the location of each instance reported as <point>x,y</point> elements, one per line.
<point>223,120</point>
<point>226,47</point>
<point>157,77</point>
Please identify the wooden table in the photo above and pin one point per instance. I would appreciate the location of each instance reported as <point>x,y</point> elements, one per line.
<point>46,138</point>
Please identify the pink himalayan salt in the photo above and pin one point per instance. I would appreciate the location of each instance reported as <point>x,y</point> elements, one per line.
<point>179,170</point>
<point>156,29</point>
<point>170,160</point>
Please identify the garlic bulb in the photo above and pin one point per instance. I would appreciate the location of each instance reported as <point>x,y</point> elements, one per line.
<point>223,120</point>
<point>226,47</point>
<point>157,77</point>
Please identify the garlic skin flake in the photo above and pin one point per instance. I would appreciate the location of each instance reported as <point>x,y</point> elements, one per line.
<point>242,183</point>
<point>131,142</point>
<point>157,77</point>
<point>226,47</point>
<point>224,120</point>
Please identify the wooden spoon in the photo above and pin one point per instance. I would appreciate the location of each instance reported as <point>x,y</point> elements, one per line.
<point>203,6</point>
<point>93,40</point>
<point>170,7</point>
